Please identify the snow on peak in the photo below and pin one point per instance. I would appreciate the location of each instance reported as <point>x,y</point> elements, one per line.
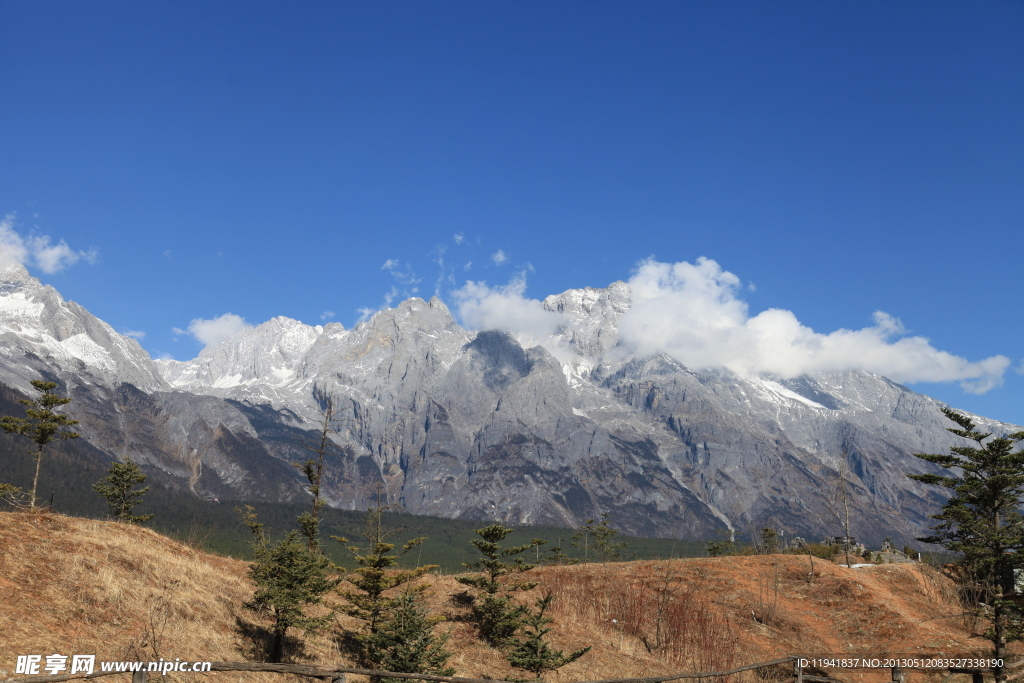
<point>775,393</point>
<point>591,316</point>
<point>36,320</point>
<point>269,353</point>
<point>15,273</point>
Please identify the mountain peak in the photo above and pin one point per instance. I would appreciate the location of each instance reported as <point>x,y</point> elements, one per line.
<point>591,316</point>
<point>474,425</point>
<point>269,352</point>
<point>15,273</point>
<point>40,331</point>
<point>414,313</point>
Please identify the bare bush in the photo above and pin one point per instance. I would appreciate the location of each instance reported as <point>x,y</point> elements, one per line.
<point>766,609</point>
<point>667,616</point>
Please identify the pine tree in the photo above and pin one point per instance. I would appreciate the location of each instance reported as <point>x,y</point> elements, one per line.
<point>290,578</point>
<point>581,539</point>
<point>981,521</point>
<point>498,616</point>
<point>725,546</point>
<point>293,576</point>
<point>116,489</point>
<point>9,492</point>
<point>313,467</point>
<point>42,425</point>
<point>393,626</point>
<point>533,653</point>
<point>404,641</point>
<point>599,536</point>
<point>768,544</point>
<point>556,556</point>
<point>604,535</point>
<point>375,576</point>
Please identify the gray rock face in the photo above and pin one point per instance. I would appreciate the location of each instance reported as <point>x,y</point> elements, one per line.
<point>125,407</point>
<point>268,355</point>
<point>39,331</point>
<point>592,317</point>
<point>463,424</point>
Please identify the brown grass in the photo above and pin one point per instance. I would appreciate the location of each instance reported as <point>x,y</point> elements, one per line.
<point>121,592</point>
<point>76,586</point>
<point>671,620</point>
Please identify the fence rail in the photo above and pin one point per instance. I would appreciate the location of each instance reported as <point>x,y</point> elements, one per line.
<point>338,674</point>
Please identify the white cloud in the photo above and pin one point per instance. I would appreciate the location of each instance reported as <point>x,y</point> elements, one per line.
<point>12,247</point>
<point>327,315</point>
<point>37,250</point>
<point>693,313</point>
<point>499,257</point>
<point>458,237</point>
<point>445,273</point>
<point>56,257</point>
<point>365,312</point>
<point>215,330</point>
<point>469,264</point>
<point>504,308</point>
<point>406,277</point>
<point>138,334</point>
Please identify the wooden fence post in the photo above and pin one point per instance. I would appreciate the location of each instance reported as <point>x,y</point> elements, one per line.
<point>798,671</point>
<point>139,676</point>
<point>897,675</point>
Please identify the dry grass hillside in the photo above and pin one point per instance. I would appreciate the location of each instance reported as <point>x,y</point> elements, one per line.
<point>78,586</point>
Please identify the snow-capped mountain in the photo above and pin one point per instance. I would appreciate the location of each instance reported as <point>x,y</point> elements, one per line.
<point>40,330</point>
<point>261,359</point>
<point>472,424</point>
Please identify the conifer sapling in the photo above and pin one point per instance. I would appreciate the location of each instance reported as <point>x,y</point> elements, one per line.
<point>42,425</point>
<point>982,521</point>
<point>532,652</point>
<point>290,578</point>
<point>116,489</point>
<point>498,615</point>
<point>397,632</point>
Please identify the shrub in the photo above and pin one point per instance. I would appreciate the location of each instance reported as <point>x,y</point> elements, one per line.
<point>533,653</point>
<point>116,489</point>
<point>290,578</point>
<point>498,616</point>
<point>668,616</point>
<point>825,552</point>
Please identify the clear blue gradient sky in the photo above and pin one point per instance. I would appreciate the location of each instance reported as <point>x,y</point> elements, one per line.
<point>268,159</point>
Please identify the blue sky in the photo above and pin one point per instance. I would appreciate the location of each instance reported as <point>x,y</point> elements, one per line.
<point>269,159</point>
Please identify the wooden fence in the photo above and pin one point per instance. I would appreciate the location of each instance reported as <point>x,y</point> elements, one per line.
<point>338,674</point>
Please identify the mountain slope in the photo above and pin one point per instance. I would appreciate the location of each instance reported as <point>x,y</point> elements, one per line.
<point>490,425</point>
<point>39,331</point>
<point>475,425</point>
<point>125,407</point>
<point>120,592</point>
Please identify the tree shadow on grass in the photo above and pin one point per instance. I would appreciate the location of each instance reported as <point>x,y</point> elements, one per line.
<point>257,641</point>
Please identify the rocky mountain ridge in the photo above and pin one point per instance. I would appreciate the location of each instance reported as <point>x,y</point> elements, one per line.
<point>490,425</point>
